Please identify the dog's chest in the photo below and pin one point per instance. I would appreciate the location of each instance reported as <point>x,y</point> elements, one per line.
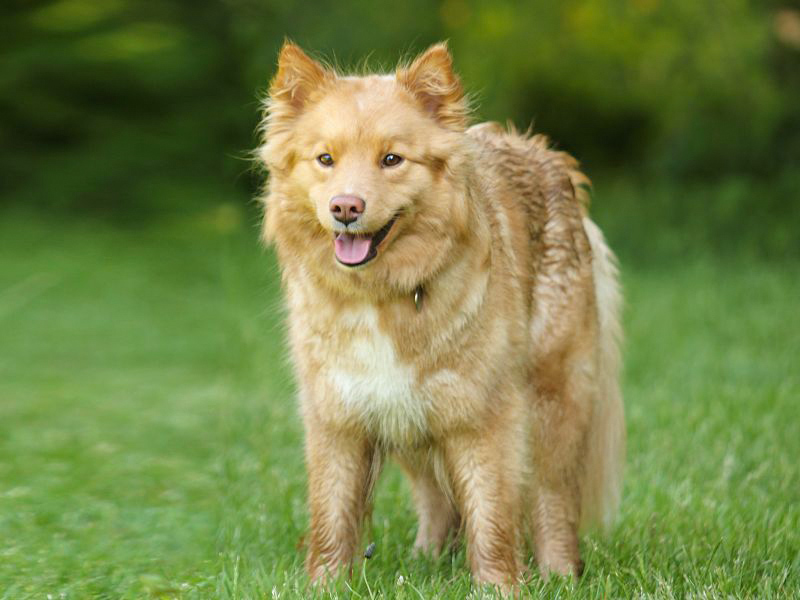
<point>372,384</point>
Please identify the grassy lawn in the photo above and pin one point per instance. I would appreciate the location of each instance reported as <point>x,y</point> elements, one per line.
<point>150,447</point>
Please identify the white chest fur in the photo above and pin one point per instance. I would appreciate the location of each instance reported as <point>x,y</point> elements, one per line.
<point>374,385</point>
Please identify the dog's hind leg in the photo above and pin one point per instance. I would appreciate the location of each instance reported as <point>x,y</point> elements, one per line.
<point>562,418</point>
<point>438,518</point>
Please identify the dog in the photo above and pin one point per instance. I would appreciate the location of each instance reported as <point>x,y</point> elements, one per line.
<point>450,306</point>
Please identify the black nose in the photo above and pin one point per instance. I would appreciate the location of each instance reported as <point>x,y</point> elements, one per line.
<point>346,209</point>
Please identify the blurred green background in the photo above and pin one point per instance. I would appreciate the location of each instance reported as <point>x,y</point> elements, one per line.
<point>687,112</point>
<point>149,442</point>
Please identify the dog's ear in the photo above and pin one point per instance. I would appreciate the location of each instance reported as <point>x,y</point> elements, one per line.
<point>297,77</point>
<point>432,80</point>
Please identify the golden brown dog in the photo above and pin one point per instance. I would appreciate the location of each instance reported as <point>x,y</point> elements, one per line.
<point>450,305</point>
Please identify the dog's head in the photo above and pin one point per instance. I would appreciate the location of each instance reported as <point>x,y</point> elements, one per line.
<point>368,175</point>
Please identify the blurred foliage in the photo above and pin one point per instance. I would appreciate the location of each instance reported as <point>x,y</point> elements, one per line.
<point>686,86</point>
<point>133,109</point>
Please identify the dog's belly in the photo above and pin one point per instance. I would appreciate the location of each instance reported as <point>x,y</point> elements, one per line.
<point>374,387</point>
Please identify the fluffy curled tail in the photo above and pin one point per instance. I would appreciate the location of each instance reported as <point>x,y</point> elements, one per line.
<point>602,485</point>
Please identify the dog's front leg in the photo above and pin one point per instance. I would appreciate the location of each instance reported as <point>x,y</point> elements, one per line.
<point>341,469</point>
<point>482,469</point>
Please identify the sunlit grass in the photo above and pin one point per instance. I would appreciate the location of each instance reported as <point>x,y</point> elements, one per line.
<point>149,443</point>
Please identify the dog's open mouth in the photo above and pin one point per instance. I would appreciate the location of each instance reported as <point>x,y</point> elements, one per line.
<point>353,250</point>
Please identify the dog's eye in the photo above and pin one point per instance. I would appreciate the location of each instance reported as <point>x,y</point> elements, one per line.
<point>326,160</point>
<point>391,160</point>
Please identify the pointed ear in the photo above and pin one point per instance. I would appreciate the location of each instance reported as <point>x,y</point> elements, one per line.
<point>297,77</point>
<point>430,78</point>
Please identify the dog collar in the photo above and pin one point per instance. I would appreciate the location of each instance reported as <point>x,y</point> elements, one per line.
<point>419,293</point>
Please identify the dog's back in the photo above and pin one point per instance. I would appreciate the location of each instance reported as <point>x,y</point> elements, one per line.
<point>545,190</point>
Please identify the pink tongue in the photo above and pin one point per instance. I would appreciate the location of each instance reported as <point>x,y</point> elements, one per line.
<point>351,249</point>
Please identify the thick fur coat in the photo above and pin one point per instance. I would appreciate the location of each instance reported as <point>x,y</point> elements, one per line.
<point>451,305</point>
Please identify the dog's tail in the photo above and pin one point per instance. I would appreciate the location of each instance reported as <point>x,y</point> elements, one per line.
<point>602,484</point>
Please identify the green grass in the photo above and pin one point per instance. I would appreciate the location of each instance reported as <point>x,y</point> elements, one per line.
<point>150,446</point>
